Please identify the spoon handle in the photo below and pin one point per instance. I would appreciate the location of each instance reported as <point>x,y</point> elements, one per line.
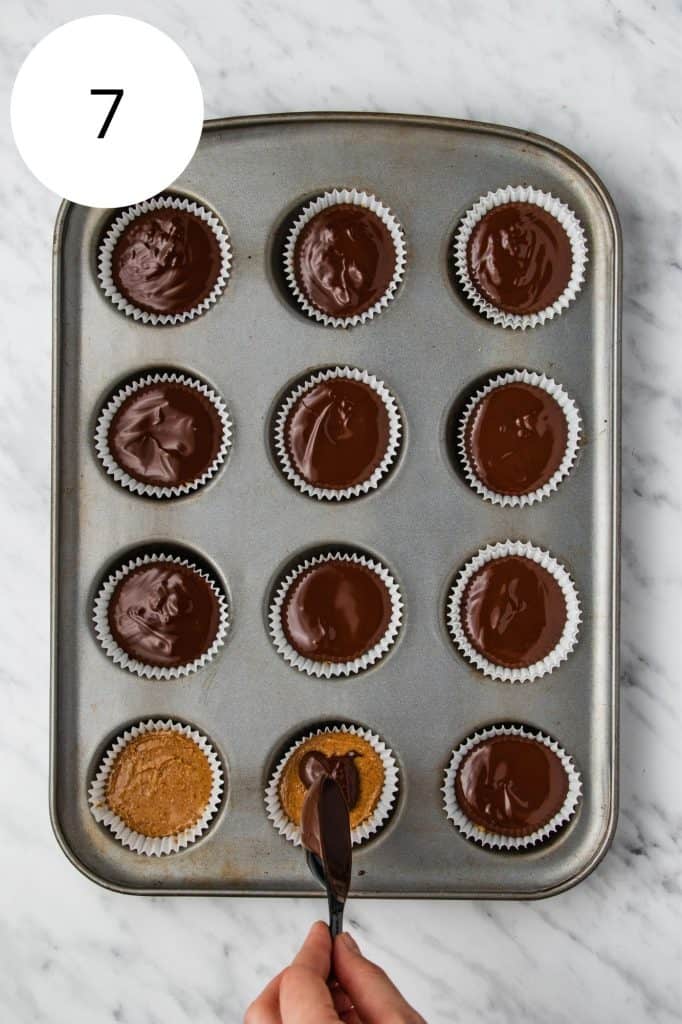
<point>336,909</point>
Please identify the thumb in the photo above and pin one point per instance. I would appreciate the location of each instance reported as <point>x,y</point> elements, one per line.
<point>304,997</point>
<point>374,995</point>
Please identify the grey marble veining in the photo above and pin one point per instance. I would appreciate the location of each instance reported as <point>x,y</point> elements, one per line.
<point>604,80</point>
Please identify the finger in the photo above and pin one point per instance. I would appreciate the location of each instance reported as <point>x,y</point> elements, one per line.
<point>265,1009</point>
<point>373,994</point>
<point>344,1005</point>
<point>303,994</point>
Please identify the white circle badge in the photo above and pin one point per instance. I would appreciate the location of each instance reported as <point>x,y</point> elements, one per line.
<point>107,111</point>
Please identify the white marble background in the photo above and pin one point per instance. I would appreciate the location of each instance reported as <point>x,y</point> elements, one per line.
<point>604,79</point>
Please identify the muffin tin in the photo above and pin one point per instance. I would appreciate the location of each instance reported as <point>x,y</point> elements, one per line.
<point>249,525</point>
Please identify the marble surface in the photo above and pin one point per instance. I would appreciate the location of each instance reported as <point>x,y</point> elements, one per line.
<point>601,77</point>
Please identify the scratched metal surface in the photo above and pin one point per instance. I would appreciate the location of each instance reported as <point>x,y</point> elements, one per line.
<point>424,522</point>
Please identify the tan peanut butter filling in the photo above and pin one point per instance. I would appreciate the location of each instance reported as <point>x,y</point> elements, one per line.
<point>368,764</point>
<point>160,784</point>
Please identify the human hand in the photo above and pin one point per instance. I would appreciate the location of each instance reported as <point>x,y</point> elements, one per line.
<point>363,994</point>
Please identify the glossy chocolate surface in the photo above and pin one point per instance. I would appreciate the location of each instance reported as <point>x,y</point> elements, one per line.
<point>511,785</point>
<point>166,261</point>
<point>164,614</point>
<point>344,260</point>
<point>325,831</point>
<point>516,438</point>
<point>336,611</point>
<point>519,258</point>
<point>513,611</point>
<point>340,767</point>
<point>337,433</point>
<point>165,434</point>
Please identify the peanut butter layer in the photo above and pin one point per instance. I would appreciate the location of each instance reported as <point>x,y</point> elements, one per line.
<point>369,767</point>
<point>160,784</point>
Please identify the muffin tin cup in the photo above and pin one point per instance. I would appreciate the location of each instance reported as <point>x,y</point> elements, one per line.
<point>153,846</point>
<point>395,431</point>
<point>336,197</point>
<point>574,429</point>
<point>495,840</point>
<point>329,669</point>
<point>120,475</point>
<point>287,828</point>
<point>569,637</point>
<point>563,214</point>
<point>113,234</point>
<point>120,657</point>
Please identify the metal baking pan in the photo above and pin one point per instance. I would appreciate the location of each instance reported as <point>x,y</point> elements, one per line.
<point>424,522</point>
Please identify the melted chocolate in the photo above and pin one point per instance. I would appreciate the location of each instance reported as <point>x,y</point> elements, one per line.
<point>516,438</point>
<point>164,614</point>
<point>511,785</point>
<point>513,611</point>
<point>519,258</point>
<point>336,611</point>
<point>337,433</point>
<point>341,768</point>
<point>165,434</point>
<point>166,261</point>
<point>344,260</point>
<point>325,831</point>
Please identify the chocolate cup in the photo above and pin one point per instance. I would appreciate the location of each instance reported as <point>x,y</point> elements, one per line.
<point>350,266</point>
<point>187,447</point>
<point>337,434</point>
<point>323,655</point>
<point>164,261</point>
<point>518,447</point>
<point>531,254</point>
<point>493,824</point>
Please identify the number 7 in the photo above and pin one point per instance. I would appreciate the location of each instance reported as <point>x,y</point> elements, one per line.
<point>118,94</point>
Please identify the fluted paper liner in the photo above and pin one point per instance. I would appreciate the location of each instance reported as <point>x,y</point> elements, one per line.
<point>337,197</point>
<point>154,846</point>
<point>573,425</point>
<point>141,668</point>
<point>287,828</point>
<point>568,638</point>
<point>395,428</point>
<point>119,474</point>
<point>576,238</point>
<point>495,840</point>
<point>328,669</point>
<point>108,244</point>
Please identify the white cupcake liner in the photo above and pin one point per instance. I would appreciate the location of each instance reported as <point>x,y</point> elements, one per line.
<point>114,404</point>
<point>395,428</point>
<point>336,197</point>
<point>327,669</point>
<point>153,846</point>
<point>494,840</point>
<point>552,205</point>
<point>573,424</point>
<point>379,815</point>
<point>141,668</point>
<point>112,236</point>
<point>568,639</point>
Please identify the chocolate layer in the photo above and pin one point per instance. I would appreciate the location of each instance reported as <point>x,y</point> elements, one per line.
<point>166,261</point>
<point>516,438</point>
<point>163,613</point>
<point>513,611</point>
<point>165,434</point>
<point>344,260</point>
<point>341,768</point>
<point>160,783</point>
<point>337,433</point>
<point>512,785</point>
<point>519,258</point>
<point>336,611</point>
